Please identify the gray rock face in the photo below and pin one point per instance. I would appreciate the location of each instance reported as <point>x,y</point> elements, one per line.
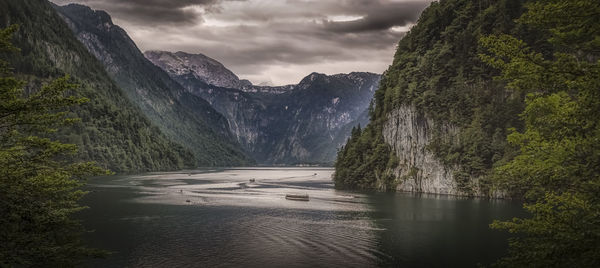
<point>408,133</point>
<point>198,65</point>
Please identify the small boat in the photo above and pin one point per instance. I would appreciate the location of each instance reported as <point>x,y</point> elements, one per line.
<point>297,197</point>
<point>252,180</point>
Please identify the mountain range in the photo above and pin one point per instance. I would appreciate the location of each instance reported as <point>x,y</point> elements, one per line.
<point>198,102</point>
<point>302,123</point>
<point>160,110</point>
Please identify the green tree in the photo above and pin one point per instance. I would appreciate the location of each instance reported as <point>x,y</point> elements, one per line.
<point>557,169</point>
<point>39,182</point>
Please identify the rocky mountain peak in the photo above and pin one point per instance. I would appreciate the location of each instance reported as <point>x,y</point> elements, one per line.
<point>84,14</point>
<point>358,78</point>
<point>200,66</point>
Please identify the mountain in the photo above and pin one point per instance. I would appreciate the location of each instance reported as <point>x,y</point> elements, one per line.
<point>113,131</point>
<point>316,116</point>
<point>207,70</point>
<point>440,120</point>
<point>292,124</point>
<point>184,117</point>
<point>198,65</point>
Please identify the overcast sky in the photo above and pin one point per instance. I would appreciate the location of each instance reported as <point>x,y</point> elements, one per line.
<point>273,41</point>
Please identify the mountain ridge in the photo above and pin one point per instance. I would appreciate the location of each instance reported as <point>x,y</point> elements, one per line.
<point>199,65</point>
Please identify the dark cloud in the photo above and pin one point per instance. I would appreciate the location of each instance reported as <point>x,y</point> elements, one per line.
<point>378,17</point>
<point>277,41</point>
<point>151,12</point>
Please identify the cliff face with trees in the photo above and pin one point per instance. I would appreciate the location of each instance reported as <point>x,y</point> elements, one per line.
<point>439,120</point>
<point>486,97</point>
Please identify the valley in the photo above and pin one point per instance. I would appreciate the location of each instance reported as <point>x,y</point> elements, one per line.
<point>450,133</point>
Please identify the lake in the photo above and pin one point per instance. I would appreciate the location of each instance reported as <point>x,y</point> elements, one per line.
<point>218,218</point>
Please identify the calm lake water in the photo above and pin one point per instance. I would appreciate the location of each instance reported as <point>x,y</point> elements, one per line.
<point>217,218</point>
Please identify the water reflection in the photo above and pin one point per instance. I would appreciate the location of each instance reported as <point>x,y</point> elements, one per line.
<point>230,221</point>
<point>433,230</point>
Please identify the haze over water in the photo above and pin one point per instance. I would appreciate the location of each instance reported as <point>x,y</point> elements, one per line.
<point>218,218</point>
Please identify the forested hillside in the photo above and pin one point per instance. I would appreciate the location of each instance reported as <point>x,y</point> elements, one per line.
<point>439,121</point>
<point>112,130</point>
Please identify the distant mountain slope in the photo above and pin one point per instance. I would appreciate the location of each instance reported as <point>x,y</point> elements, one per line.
<point>303,123</point>
<point>314,116</point>
<point>182,116</point>
<point>113,131</point>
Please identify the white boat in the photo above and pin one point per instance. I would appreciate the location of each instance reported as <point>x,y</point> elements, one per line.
<point>297,197</point>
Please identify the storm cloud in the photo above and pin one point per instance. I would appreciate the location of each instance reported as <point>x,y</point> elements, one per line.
<point>379,17</point>
<point>150,12</point>
<point>265,41</point>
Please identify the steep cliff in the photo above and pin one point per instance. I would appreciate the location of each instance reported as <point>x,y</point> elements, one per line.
<point>419,170</point>
<point>184,117</point>
<point>438,111</point>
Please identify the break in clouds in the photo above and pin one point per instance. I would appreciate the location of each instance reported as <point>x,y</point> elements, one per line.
<point>270,41</point>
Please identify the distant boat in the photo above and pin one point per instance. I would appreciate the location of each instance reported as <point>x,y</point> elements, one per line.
<point>252,180</point>
<point>297,197</point>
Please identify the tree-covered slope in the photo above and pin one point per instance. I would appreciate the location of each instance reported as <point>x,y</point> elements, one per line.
<point>184,117</point>
<point>440,120</point>
<point>112,131</point>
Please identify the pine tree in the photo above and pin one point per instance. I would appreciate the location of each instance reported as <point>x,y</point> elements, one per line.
<point>40,183</point>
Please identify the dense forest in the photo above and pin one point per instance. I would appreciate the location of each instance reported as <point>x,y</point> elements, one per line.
<point>520,81</point>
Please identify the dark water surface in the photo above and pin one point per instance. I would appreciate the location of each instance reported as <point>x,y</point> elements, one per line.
<point>217,218</point>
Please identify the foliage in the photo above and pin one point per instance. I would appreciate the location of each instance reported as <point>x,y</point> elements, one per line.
<point>364,162</point>
<point>39,185</point>
<point>112,131</point>
<point>557,168</point>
